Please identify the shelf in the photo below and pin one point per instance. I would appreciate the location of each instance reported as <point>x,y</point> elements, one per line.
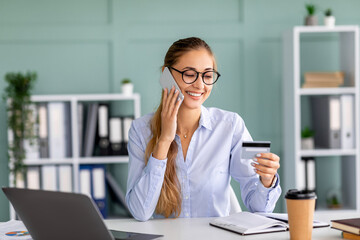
<point>48,161</point>
<point>104,160</point>
<point>327,152</point>
<point>324,29</point>
<point>88,160</point>
<point>84,97</point>
<point>301,44</point>
<point>327,91</point>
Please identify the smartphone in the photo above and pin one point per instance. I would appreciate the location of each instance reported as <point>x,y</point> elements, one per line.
<point>167,81</point>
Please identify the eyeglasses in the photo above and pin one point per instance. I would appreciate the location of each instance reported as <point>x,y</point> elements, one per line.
<point>190,76</point>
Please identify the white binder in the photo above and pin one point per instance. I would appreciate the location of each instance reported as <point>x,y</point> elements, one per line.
<point>347,121</point>
<point>33,178</point>
<point>48,177</point>
<point>65,178</point>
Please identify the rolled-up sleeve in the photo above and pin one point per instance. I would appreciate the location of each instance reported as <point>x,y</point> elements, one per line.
<point>255,196</point>
<point>144,182</point>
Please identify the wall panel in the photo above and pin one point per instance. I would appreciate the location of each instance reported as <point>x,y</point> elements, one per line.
<point>62,67</point>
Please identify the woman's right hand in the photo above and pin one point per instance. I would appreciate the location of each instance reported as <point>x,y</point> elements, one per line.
<point>170,108</point>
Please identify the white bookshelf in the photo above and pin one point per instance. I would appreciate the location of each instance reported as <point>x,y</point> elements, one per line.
<point>76,160</point>
<point>348,44</point>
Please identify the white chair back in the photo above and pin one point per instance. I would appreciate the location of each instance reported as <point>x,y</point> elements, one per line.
<point>234,203</point>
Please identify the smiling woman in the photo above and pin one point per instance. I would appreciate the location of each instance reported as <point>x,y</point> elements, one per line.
<point>165,183</point>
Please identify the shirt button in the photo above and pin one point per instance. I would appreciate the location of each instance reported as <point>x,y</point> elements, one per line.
<point>186,214</point>
<point>186,197</point>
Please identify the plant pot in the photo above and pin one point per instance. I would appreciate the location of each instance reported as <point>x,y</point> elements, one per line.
<point>311,20</point>
<point>329,21</point>
<point>307,143</point>
<point>127,89</point>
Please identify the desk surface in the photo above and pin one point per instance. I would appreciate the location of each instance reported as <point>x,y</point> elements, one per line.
<point>199,228</point>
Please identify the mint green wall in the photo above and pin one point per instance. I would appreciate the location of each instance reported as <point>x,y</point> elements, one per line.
<point>88,46</point>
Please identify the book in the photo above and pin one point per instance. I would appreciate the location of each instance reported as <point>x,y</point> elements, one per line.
<point>351,225</point>
<point>246,223</point>
<point>320,85</point>
<point>350,236</point>
<point>323,79</point>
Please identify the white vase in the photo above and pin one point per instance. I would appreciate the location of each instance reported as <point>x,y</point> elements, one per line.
<point>307,143</point>
<point>329,21</point>
<point>127,89</point>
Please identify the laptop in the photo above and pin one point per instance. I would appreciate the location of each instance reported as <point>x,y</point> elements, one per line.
<point>59,215</point>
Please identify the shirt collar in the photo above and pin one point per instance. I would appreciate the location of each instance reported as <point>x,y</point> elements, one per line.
<point>205,118</point>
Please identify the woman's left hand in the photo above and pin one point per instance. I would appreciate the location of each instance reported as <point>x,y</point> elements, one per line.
<point>266,165</point>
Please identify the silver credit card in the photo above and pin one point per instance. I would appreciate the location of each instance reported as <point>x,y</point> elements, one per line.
<point>250,149</point>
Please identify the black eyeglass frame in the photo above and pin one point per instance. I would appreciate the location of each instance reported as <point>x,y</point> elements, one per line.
<point>197,75</point>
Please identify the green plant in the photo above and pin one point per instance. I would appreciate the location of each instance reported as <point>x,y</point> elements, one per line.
<point>126,80</point>
<point>328,12</point>
<point>17,94</point>
<point>307,132</point>
<point>311,9</point>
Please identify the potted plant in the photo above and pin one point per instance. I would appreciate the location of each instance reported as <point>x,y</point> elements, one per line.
<point>307,138</point>
<point>311,18</point>
<point>329,19</point>
<point>127,87</point>
<point>17,94</point>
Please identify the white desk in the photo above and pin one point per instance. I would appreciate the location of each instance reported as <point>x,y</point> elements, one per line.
<point>199,228</point>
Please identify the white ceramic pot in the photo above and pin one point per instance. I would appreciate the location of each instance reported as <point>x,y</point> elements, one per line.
<point>329,21</point>
<point>307,143</point>
<point>127,89</point>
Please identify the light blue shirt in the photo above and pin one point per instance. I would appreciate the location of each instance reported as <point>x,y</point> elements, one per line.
<point>213,156</point>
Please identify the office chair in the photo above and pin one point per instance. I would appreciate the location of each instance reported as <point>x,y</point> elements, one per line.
<point>234,203</point>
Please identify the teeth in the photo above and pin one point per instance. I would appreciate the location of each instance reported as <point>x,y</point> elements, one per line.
<point>194,94</point>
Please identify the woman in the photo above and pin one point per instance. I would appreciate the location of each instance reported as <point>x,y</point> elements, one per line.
<point>182,156</point>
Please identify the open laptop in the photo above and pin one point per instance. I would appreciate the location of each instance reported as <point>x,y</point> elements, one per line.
<point>59,215</point>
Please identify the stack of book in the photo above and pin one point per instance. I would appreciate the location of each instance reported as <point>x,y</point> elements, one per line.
<point>350,227</point>
<point>323,79</point>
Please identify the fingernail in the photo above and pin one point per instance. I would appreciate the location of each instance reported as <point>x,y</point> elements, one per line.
<point>255,170</point>
<point>258,155</point>
<point>253,164</point>
<point>255,159</point>
<point>176,90</point>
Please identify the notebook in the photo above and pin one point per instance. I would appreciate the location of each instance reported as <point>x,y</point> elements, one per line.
<point>246,223</point>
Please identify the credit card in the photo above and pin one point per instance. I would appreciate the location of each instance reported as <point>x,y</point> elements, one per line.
<point>250,149</point>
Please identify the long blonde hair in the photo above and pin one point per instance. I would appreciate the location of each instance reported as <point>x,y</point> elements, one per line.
<point>170,197</point>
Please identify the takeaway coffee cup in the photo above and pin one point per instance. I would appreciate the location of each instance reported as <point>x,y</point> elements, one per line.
<point>300,207</point>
